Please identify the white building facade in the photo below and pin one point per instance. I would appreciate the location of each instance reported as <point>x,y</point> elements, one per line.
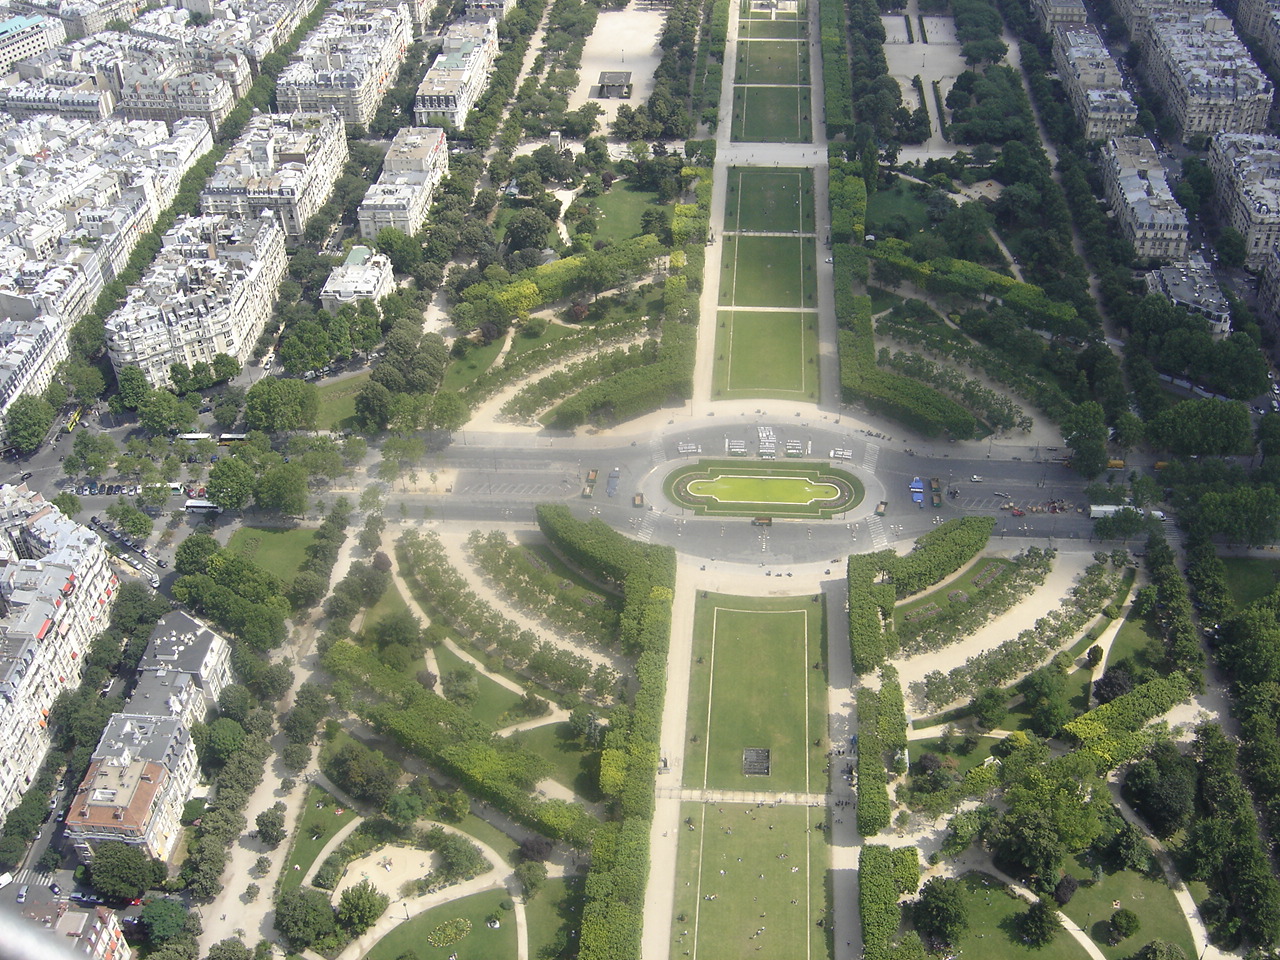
<point>414,166</point>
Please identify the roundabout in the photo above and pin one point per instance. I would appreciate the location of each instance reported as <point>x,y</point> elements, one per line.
<point>736,488</point>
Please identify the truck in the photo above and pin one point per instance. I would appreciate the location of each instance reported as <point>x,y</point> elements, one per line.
<point>881,508</point>
<point>1097,510</point>
<point>1115,464</point>
<point>638,500</point>
<point>935,491</point>
<point>611,485</point>
<point>592,476</point>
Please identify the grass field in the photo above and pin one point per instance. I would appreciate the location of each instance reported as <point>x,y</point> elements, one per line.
<point>389,603</point>
<point>279,551</point>
<point>411,936</point>
<point>1250,579</point>
<point>942,596</point>
<point>569,763</point>
<point>556,908</point>
<point>1137,641</point>
<point>1151,900</point>
<point>753,685</point>
<point>993,932</point>
<point>773,201</point>
<point>773,61</point>
<point>316,828</point>
<point>768,272</point>
<point>753,29</point>
<point>898,206</point>
<point>620,209</point>
<point>461,373</point>
<point>337,410</point>
<point>491,702</point>
<point>786,502</point>
<point>771,115</point>
<point>771,355</point>
<point>751,489</point>
<point>764,868</point>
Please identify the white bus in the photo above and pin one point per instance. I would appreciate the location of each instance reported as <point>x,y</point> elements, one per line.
<point>229,438</point>
<point>195,436</point>
<point>202,506</point>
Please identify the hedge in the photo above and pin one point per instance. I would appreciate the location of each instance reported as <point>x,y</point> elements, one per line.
<point>940,553</point>
<point>848,199</point>
<point>893,710</point>
<point>870,609</point>
<point>612,915</point>
<point>1114,731</point>
<point>873,777</point>
<point>837,81</point>
<point>861,381</point>
<point>884,875</point>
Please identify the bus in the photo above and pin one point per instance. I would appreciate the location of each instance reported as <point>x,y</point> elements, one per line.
<point>195,436</point>
<point>74,419</point>
<point>202,506</point>
<point>229,438</point>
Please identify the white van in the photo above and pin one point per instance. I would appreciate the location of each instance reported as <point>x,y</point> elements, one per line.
<point>5,880</point>
<point>22,893</point>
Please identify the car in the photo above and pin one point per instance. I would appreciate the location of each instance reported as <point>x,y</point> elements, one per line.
<point>162,563</point>
<point>93,489</point>
<point>62,785</point>
<point>55,889</point>
<point>22,893</point>
<point>831,259</point>
<point>154,581</point>
<point>976,479</point>
<point>95,521</point>
<point>1004,495</point>
<point>27,475</point>
<point>1275,388</point>
<point>214,459</point>
<point>53,801</point>
<point>206,409</point>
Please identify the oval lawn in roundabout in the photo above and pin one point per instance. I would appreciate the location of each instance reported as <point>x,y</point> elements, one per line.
<point>738,488</point>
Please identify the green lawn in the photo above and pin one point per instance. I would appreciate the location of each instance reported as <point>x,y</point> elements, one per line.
<point>480,942</point>
<point>752,489</point>
<point>724,851</point>
<point>1151,900</point>
<point>753,685</point>
<point>752,29</point>
<point>1077,690</point>
<point>557,907</point>
<point>774,201</point>
<point>899,203</point>
<point>773,61</point>
<point>389,603</point>
<point>993,934</point>
<point>338,403</point>
<point>279,551</point>
<point>486,832</point>
<point>964,761</point>
<point>745,478</point>
<point>942,596</point>
<point>462,373</point>
<point>882,300</point>
<point>1138,642</point>
<point>771,115</point>
<point>569,763</point>
<point>770,355</point>
<point>316,828</point>
<point>491,702</point>
<point>768,272</point>
<point>521,343</point>
<point>620,209</point>
<point>546,555</point>
<point>1250,579</point>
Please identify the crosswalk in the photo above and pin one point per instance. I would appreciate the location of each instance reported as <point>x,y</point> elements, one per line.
<point>30,875</point>
<point>878,539</point>
<point>647,525</point>
<point>870,456</point>
<point>657,454</point>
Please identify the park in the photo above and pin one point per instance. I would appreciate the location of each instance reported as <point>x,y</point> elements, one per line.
<point>733,488</point>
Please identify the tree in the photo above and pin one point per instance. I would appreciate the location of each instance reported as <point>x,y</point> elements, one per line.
<point>304,916</point>
<point>160,411</point>
<point>989,707</point>
<point>1162,787</point>
<point>225,738</point>
<point>1084,429</point>
<point>361,906</point>
<point>270,823</point>
<point>531,874</point>
<point>1231,247</point>
<point>1160,950</point>
<point>373,406</point>
<point>28,421</point>
<point>449,411</point>
<point>1065,889</point>
<point>274,404</point>
<point>122,872</point>
<point>84,380</point>
<point>283,489</point>
<point>229,949</point>
<point>941,911</point>
<point>296,755</point>
<point>1124,924</point>
<point>133,387</point>
<point>528,228</point>
<point>130,519</point>
<point>1040,924</point>
<point>231,483</point>
<point>193,554</point>
<point>165,918</point>
<point>68,503</point>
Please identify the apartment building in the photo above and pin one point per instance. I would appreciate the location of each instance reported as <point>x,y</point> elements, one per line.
<point>94,932</point>
<point>1192,285</point>
<point>28,36</point>
<point>1052,13</point>
<point>182,645</point>
<point>171,88</point>
<point>482,10</point>
<point>414,165</point>
<point>83,18</point>
<point>30,351</point>
<point>1205,77</point>
<point>210,290</point>
<point>347,63</point>
<point>139,777</point>
<point>364,275</point>
<point>1139,15</point>
<point>457,76</point>
<point>1102,105</point>
<point>1269,288</point>
<point>56,592</point>
<point>287,164</point>
<point>1246,188</point>
<point>1149,217</point>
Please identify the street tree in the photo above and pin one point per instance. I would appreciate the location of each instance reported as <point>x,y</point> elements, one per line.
<point>68,503</point>
<point>274,404</point>
<point>165,918</point>
<point>270,823</point>
<point>28,421</point>
<point>130,519</point>
<point>161,411</point>
<point>192,555</point>
<point>303,916</point>
<point>282,489</point>
<point>224,739</point>
<point>231,483</point>
<point>120,871</point>
<point>1084,429</point>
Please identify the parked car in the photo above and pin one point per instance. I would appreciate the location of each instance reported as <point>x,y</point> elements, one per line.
<point>162,563</point>
<point>27,475</point>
